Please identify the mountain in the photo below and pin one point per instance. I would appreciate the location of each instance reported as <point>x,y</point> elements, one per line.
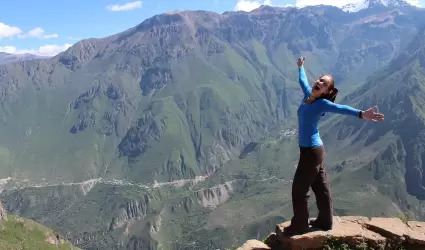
<point>181,131</point>
<point>172,92</point>
<point>370,4</point>
<point>10,58</point>
<point>20,233</point>
<point>397,89</point>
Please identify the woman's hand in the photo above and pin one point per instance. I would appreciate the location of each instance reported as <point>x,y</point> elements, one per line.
<point>370,115</point>
<point>300,61</point>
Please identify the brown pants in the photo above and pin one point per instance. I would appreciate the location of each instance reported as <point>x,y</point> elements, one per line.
<point>311,173</point>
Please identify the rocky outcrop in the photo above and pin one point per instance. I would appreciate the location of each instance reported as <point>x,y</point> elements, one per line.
<point>3,215</point>
<point>254,244</point>
<point>349,231</point>
<point>212,197</point>
<point>132,210</point>
<point>54,239</point>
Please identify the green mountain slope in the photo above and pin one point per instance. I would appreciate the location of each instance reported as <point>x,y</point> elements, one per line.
<point>387,155</point>
<point>20,233</point>
<point>181,132</point>
<point>164,100</point>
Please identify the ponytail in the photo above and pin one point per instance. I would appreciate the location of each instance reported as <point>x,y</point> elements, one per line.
<point>331,96</point>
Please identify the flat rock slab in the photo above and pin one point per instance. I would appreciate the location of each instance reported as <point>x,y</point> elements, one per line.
<point>354,230</point>
<point>416,232</point>
<point>388,227</point>
<point>254,245</point>
<point>350,229</point>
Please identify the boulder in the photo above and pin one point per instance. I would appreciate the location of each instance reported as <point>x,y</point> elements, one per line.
<point>349,229</point>
<point>254,245</point>
<point>388,227</point>
<point>378,233</point>
<point>3,215</point>
<point>416,232</point>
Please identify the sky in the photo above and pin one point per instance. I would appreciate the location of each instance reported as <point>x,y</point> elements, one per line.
<point>48,27</point>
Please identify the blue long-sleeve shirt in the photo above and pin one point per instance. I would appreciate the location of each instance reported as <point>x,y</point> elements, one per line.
<point>310,114</point>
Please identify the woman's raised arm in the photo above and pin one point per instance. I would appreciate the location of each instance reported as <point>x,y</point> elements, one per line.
<point>303,77</point>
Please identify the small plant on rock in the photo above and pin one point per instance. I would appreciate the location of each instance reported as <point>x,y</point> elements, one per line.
<point>336,243</point>
<point>339,244</point>
<point>405,218</point>
<point>395,244</point>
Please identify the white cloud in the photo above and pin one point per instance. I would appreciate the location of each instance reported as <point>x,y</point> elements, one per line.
<point>71,38</point>
<point>9,31</point>
<point>415,2</point>
<point>50,36</point>
<point>124,7</point>
<point>340,3</point>
<point>247,5</point>
<point>45,50</point>
<point>39,33</point>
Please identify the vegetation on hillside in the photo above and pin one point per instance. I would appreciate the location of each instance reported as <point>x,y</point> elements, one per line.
<point>18,233</point>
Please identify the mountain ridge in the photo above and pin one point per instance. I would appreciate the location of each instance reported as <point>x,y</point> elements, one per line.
<point>355,6</point>
<point>367,4</point>
<point>10,58</point>
<point>200,106</point>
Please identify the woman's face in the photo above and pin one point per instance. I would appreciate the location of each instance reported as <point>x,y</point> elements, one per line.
<point>321,86</point>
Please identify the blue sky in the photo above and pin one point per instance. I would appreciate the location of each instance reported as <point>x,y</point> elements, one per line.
<point>47,27</point>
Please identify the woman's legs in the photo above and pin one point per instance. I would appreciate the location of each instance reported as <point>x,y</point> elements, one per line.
<point>310,162</point>
<point>322,192</point>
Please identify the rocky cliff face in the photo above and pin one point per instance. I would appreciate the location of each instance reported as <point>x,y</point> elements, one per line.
<point>396,89</point>
<point>3,215</point>
<point>185,78</point>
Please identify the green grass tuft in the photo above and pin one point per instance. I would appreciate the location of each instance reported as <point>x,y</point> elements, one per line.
<point>333,243</point>
<point>19,233</point>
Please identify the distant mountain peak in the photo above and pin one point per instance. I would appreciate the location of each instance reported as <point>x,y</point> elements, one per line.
<point>359,5</point>
<point>9,58</point>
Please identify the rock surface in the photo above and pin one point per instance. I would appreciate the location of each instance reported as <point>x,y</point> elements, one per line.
<point>254,244</point>
<point>3,215</point>
<point>377,233</point>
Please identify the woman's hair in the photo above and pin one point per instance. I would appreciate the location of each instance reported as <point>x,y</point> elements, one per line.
<point>331,95</point>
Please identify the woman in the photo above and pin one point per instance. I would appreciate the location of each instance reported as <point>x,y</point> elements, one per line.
<point>310,171</point>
